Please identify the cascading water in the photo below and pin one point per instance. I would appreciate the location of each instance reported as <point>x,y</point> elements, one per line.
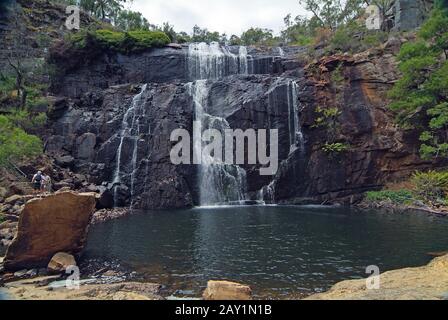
<point>296,138</point>
<point>295,130</point>
<point>213,61</point>
<point>219,183</point>
<point>130,129</point>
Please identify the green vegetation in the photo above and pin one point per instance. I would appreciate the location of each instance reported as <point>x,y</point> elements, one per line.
<point>15,143</point>
<point>401,197</point>
<point>335,148</point>
<point>327,117</point>
<point>354,37</point>
<point>20,116</point>
<point>420,97</point>
<point>258,36</point>
<point>431,186</point>
<point>125,42</point>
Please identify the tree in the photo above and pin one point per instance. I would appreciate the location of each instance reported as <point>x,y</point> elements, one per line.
<point>332,13</point>
<point>15,143</point>
<point>299,31</point>
<point>421,96</point>
<point>101,9</point>
<point>235,40</point>
<point>203,35</point>
<point>169,31</point>
<point>257,36</point>
<point>127,20</point>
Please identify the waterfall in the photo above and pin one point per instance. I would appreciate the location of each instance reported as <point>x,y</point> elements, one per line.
<point>296,138</point>
<point>130,129</point>
<point>281,52</point>
<point>244,67</point>
<point>295,131</point>
<point>213,61</point>
<point>219,183</point>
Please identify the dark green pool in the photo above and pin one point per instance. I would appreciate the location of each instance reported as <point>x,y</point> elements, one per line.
<point>281,252</point>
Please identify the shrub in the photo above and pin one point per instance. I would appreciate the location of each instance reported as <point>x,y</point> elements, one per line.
<point>335,148</point>
<point>26,121</point>
<point>142,39</point>
<point>125,42</point>
<point>110,39</point>
<point>354,37</point>
<point>397,197</point>
<point>432,185</point>
<point>15,143</point>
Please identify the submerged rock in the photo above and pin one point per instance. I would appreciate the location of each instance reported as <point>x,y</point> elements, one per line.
<point>225,290</point>
<point>57,223</point>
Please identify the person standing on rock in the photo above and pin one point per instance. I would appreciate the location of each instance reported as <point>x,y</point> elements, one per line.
<point>37,182</point>
<point>46,183</point>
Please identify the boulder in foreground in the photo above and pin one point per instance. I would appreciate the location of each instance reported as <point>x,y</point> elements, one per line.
<point>57,223</point>
<point>424,283</point>
<point>227,291</point>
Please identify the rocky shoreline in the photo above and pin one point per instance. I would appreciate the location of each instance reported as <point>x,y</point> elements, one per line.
<point>424,283</point>
<point>403,209</point>
<point>111,281</point>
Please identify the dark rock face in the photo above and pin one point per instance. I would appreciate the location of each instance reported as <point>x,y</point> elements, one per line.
<point>379,152</point>
<point>90,131</point>
<point>155,66</point>
<point>118,134</point>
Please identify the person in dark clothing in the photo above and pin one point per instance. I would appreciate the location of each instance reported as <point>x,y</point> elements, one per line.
<point>37,181</point>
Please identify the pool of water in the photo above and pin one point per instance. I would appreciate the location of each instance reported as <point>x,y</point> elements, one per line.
<point>281,252</point>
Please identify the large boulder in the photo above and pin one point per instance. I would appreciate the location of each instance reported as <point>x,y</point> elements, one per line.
<point>225,290</point>
<point>57,223</point>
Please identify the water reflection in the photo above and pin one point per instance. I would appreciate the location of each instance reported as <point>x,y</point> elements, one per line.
<point>282,252</point>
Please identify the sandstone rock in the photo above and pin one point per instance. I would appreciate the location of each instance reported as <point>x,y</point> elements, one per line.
<point>63,189</point>
<point>57,223</point>
<point>60,262</point>
<point>424,283</point>
<point>225,290</point>
<point>104,215</point>
<point>13,199</point>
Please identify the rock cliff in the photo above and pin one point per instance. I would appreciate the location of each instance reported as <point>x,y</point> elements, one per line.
<point>112,116</point>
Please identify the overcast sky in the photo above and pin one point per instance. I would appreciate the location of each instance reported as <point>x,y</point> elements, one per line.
<point>225,16</point>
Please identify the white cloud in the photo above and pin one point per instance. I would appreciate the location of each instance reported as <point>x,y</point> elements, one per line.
<point>225,16</point>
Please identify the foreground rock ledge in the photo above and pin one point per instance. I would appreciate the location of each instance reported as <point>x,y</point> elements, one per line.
<point>424,283</point>
<point>34,290</point>
<point>57,223</point>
